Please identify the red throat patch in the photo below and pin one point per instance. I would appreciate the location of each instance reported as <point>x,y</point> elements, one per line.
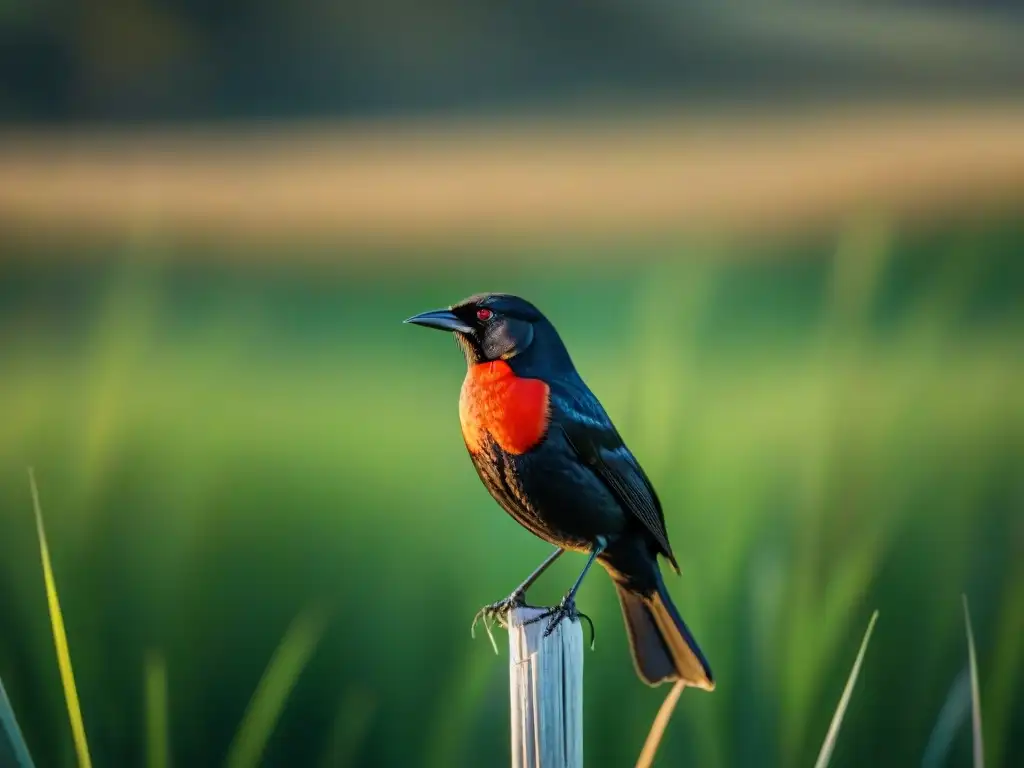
<point>512,410</point>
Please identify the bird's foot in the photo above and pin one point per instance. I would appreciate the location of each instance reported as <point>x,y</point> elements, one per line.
<point>498,612</point>
<point>566,609</point>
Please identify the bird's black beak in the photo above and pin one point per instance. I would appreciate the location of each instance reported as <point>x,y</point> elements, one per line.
<point>442,319</point>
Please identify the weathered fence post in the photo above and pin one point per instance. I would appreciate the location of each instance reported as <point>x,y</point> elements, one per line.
<point>545,692</point>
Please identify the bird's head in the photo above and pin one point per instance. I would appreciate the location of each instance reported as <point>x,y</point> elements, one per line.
<point>495,326</point>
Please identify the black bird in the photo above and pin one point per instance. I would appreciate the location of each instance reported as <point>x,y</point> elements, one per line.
<point>546,450</point>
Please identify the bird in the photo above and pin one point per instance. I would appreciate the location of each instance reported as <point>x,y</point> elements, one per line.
<point>550,456</point>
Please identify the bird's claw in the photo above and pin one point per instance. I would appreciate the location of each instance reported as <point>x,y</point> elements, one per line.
<point>566,609</point>
<point>499,612</point>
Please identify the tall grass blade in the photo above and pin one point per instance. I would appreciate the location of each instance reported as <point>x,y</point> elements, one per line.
<point>13,749</point>
<point>457,711</point>
<point>837,719</point>
<point>157,740</point>
<point>1008,658</point>
<point>979,745</point>
<point>60,639</point>
<point>658,727</point>
<point>351,724</point>
<point>277,682</point>
<point>952,716</point>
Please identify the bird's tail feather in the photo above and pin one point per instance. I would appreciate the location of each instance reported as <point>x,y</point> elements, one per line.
<point>663,648</point>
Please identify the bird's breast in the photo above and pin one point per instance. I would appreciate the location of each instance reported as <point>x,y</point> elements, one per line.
<point>512,411</point>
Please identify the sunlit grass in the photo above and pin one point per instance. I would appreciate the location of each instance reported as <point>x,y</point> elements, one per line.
<point>60,639</point>
<point>264,709</point>
<point>829,745</point>
<point>270,696</point>
<point>659,725</point>
<point>805,480</point>
<point>978,741</point>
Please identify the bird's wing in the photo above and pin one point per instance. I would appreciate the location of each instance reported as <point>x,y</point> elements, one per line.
<point>595,440</point>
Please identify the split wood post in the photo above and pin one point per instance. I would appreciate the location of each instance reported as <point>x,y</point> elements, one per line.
<point>545,692</point>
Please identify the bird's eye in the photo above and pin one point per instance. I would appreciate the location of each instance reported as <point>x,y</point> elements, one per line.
<point>483,314</point>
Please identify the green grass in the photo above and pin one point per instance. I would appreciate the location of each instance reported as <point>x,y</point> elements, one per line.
<point>60,639</point>
<point>157,725</point>
<point>829,436</point>
<point>829,745</point>
<point>13,749</point>
<point>978,741</point>
<point>285,667</point>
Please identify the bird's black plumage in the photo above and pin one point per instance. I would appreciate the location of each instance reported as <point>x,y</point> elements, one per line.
<point>568,478</point>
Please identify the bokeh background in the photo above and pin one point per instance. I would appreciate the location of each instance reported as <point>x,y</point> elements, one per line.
<point>783,241</point>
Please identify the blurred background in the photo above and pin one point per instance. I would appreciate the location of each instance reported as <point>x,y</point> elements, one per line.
<point>782,241</point>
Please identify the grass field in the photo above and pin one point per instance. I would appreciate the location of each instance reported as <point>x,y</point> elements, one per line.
<point>219,452</point>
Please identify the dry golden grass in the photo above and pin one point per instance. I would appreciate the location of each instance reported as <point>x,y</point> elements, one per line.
<point>742,172</point>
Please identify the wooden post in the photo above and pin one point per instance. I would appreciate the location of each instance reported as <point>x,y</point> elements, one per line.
<point>545,692</point>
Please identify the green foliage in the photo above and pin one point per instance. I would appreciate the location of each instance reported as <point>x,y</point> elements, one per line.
<point>13,750</point>
<point>828,747</point>
<point>157,726</point>
<point>828,434</point>
<point>978,741</point>
<point>60,639</point>
<point>268,701</point>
